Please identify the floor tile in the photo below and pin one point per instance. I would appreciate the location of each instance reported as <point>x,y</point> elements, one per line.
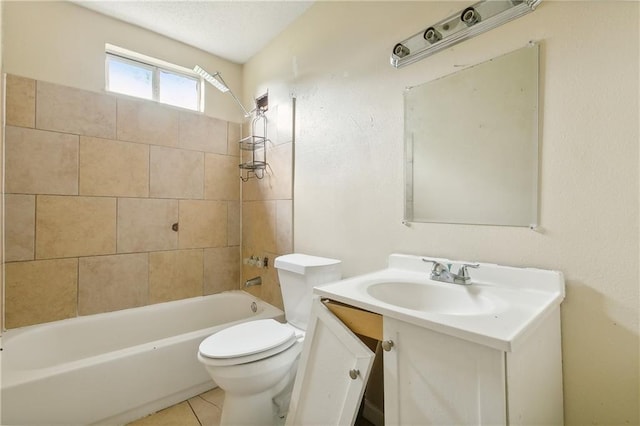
<point>214,396</point>
<point>207,413</point>
<point>202,410</point>
<point>177,415</point>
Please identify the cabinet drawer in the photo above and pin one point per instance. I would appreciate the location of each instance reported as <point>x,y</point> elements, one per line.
<point>357,320</point>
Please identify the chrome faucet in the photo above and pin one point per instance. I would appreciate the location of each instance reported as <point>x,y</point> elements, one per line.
<point>441,272</point>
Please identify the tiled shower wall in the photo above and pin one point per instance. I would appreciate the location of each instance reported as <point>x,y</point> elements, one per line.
<point>267,204</point>
<point>94,186</point>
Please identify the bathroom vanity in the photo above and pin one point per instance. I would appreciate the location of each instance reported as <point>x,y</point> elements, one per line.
<point>484,353</point>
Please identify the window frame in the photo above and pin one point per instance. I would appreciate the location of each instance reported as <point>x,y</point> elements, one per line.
<point>155,66</point>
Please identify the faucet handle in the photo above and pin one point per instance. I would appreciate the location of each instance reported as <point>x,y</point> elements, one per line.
<point>438,267</point>
<point>463,273</point>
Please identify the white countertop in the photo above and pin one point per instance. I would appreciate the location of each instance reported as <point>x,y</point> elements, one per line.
<point>515,300</point>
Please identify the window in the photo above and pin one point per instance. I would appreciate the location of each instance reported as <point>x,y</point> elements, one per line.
<point>137,75</point>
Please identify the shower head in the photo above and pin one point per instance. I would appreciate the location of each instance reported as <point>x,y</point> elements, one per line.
<point>216,81</point>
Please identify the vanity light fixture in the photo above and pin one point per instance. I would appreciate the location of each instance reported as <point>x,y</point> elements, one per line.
<point>467,23</point>
<point>216,81</point>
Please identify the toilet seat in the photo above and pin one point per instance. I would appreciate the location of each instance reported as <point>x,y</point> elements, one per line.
<point>247,342</point>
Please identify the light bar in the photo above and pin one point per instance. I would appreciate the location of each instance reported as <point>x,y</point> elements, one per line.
<point>467,23</point>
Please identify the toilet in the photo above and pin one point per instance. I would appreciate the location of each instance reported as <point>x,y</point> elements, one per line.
<point>255,362</point>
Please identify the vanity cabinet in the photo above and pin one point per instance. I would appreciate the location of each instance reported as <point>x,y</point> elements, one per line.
<point>430,378</point>
<point>434,379</point>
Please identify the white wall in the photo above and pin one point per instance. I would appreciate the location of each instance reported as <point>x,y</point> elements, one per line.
<point>63,43</point>
<point>349,181</point>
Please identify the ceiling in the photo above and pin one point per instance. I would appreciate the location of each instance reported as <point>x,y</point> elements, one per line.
<point>234,29</point>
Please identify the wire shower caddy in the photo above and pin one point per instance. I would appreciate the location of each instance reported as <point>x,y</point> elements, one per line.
<point>257,146</point>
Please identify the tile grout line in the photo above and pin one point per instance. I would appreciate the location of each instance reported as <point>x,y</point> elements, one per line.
<point>209,402</point>
<point>194,412</point>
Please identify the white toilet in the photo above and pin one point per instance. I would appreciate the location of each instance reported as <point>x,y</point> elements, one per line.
<point>255,362</point>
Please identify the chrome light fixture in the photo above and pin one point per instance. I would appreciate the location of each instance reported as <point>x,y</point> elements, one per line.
<point>216,81</point>
<point>467,23</point>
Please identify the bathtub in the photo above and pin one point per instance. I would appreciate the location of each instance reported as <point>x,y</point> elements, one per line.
<point>116,367</point>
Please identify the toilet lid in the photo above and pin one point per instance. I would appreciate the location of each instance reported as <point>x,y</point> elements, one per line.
<point>247,338</point>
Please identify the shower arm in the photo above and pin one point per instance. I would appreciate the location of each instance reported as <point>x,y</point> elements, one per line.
<point>218,82</point>
<point>246,113</point>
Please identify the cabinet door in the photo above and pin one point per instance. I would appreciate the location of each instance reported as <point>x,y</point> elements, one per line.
<point>434,379</point>
<point>333,372</point>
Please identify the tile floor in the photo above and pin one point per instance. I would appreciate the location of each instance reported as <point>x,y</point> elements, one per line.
<point>201,410</point>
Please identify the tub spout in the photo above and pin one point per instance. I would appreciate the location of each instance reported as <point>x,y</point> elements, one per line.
<point>253,281</point>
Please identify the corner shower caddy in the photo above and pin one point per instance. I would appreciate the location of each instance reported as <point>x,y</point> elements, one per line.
<point>254,143</point>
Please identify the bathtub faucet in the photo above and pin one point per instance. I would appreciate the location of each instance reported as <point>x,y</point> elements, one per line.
<point>253,281</point>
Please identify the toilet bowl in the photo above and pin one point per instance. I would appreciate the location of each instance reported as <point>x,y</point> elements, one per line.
<point>255,362</point>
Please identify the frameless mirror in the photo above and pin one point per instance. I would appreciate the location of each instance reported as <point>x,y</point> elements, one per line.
<point>471,144</point>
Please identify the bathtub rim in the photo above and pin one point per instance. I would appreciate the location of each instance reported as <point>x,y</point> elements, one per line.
<point>11,333</point>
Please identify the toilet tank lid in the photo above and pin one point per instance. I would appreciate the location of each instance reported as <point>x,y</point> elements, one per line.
<point>298,262</point>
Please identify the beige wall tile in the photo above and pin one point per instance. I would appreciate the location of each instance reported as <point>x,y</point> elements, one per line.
<point>176,173</point>
<point>221,269</point>
<point>203,133</point>
<point>284,226</point>
<point>202,224</point>
<point>74,226</point>
<point>145,224</point>
<point>233,223</point>
<point>234,134</point>
<point>245,128</point>
<point>277,183</point>
<point>111,283</point>
<point>40,291</point>
<point>147,122</point>
<point>269,291</point>
<point>113,168</point>
<point>20,101</point>
<point>20,227</point>
<point>39,162</point>
<point>270,285</point>
<point>70,110</point>
<point>175,275</point>
<point>258,227</point>
<point>249,272</point>
<point>221,177</point>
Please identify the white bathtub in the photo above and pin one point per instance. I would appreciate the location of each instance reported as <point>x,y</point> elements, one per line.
<point>115,367</point>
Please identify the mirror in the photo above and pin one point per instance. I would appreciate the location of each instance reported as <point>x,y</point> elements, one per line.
<point>471,144</point>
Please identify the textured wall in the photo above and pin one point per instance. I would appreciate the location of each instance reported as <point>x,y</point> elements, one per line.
<point>94,184</point>
<point>348,192</point>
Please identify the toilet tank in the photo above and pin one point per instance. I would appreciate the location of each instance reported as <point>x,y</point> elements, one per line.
<point>298,274</point>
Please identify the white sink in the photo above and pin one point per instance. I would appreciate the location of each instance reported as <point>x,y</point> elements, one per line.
<point>499,306</point>
<point>443,299</point>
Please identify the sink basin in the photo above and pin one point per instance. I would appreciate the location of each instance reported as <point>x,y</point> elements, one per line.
<point>451,300</point>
